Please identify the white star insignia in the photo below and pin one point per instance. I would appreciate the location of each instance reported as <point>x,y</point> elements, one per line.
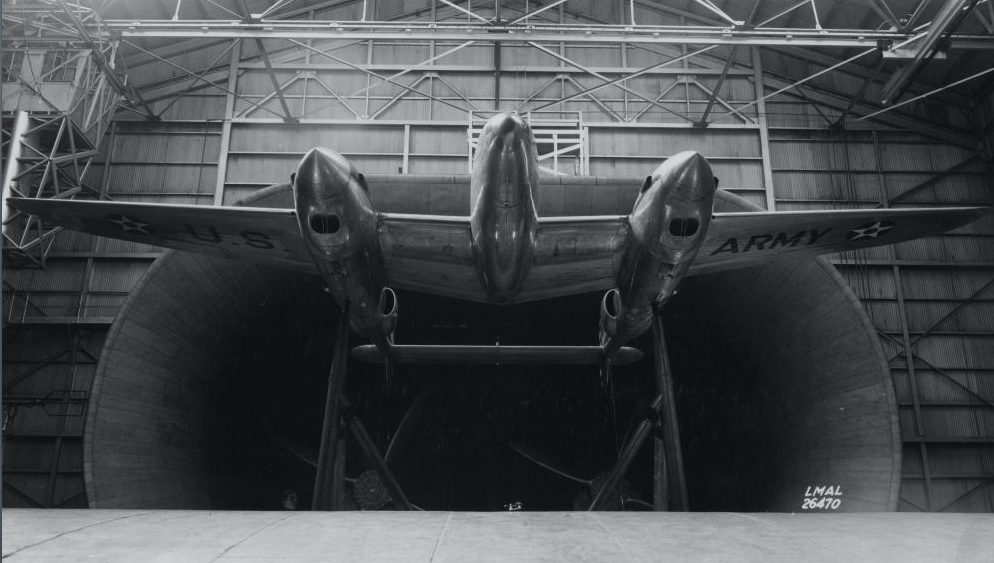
<point>872,230</point>
<point>130,224</point>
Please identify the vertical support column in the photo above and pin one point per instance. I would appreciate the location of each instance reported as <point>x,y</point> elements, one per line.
<point>909,360</point>
<point>328,481</point>
<point>229,112</point>
<point>369,78</point>
<point>96,243</point>
<point>764,132</point>
<point>624,64</point>
<point>11,169</point>
<point>908,351</point>
<point>51,487</point>
<point>406,166</point>
<point>670,484</point>
<point>497,65</point>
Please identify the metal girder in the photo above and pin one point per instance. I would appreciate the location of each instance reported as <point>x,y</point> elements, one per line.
<point>410,68</point>
<point>553,33</point>
<point>910,359</point>
<point>375,75</point>
<point>956,310</point>
<point>617,81</point>
<point>287,115</point>
<point>724,71</point>
<point>883,10</point>
<point>607,81</point>
<point>948,16</point>
<point>927,94</point>
<point>957,138</point>
<point>277,88</point>
<point>933,180</point>
<point>193,83</point>
<point>106,67</point>
<point>203,78</point>
<point>980,486</point>
<point>859,71</point>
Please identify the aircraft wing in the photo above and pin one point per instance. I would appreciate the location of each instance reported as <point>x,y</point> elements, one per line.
<point>434,254</point>
<point>431,254</point>
<point>575,255</point>
<point>260,235</point>
<point>741,240</point>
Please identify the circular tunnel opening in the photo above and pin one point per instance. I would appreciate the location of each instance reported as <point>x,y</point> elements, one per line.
<point>211,389</point>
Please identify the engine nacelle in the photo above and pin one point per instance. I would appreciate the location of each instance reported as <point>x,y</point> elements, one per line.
<point>673,211</point>
<point>668,223</point>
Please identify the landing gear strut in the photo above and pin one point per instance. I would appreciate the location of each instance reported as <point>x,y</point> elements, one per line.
<point>669,483</point>
<point>339,414</point>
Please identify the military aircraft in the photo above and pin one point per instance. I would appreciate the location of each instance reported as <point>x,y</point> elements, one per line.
<point>503,252</point>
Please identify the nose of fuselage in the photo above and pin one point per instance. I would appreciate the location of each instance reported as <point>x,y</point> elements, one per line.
<point>506,130</point>
<point>689,177</point>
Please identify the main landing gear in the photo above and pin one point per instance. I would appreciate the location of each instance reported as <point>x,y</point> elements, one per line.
<point>378,487</point>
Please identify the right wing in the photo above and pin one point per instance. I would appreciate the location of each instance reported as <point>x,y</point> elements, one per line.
<point>260,235</point>
<point>742,240</point>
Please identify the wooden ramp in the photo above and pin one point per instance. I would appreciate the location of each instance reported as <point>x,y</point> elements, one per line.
<point>127,536</point>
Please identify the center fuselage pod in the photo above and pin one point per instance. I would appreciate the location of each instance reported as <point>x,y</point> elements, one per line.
<point>668,223</point>
<point>339,225</point>
<point>504,220</point>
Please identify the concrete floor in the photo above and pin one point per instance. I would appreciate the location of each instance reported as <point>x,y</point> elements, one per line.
<point>53,536</point>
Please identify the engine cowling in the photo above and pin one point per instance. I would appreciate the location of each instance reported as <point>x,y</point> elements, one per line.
<point>668,223</point>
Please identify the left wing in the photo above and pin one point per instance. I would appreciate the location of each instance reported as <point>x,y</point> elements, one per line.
<point>741,240</point>
<point>260,235</point>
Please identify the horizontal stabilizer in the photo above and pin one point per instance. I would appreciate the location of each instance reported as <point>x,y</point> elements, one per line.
<point>452,354</point>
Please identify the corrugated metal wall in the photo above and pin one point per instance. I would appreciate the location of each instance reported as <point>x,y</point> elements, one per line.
<point>931,300</point>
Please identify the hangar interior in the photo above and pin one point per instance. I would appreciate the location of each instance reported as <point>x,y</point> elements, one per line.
<point>820,104</point>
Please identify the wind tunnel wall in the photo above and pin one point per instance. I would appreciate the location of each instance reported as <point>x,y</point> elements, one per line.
<point>212,366</point>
